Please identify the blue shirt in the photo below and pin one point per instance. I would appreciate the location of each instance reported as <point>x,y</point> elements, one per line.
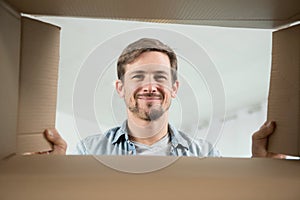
<point>116,142</point>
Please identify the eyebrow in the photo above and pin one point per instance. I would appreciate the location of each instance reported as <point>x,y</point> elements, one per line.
<point>161,72</point>
<point>137,72</point>
<point>143,72</point>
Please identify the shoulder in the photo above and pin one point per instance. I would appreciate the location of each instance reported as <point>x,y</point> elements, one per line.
<point>94,143</point>
<point>200,147</point>
<point>109,135</point>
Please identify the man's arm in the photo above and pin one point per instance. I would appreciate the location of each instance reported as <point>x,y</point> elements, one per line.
<point>260,141</point>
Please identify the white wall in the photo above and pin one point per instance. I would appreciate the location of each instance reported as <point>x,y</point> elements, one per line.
<point>241,56</point>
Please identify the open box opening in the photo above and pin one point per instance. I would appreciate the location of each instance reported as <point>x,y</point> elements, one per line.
<point>39,59</point>
<point>239,55</point>
<point>30,52</point>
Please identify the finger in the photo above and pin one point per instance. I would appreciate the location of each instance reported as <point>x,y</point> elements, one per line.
<point>276,155</point>
<point>36,153</point>
<point>59,145</point>
<point>53,136</point>
<point>265,131</point>
<point>265,124</point>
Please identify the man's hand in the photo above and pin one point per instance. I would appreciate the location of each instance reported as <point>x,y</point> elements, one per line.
<point>260,141</point>
<point>59,145</point>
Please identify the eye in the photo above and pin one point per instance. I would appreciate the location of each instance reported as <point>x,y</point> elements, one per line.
<point>161,77</point>
<point>138,77</point>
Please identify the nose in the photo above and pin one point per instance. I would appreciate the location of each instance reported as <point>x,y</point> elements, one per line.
<point>150,88</point>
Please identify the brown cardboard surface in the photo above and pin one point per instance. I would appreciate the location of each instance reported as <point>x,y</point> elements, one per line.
<point>284,93</point>
<point>38,83</point>
<point>230,13</point>
<point>84,177</point>
<point>40,44</point>
<point>33,142</point>
<point>9,76</point>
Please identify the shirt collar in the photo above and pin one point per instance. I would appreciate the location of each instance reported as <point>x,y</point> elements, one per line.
<point>121,132</point>
<point>175,136</point>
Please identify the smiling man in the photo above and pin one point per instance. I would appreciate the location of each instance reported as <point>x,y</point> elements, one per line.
<point>147,81</point>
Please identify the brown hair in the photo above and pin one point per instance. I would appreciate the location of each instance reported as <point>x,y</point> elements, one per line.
<point>135,49</point>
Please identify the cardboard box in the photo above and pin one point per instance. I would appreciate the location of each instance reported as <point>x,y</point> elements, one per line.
<point>29,57</point>
<point>284,93</point>
<point>30,65</point>
<point>32,86</point>
<point>76,177</point>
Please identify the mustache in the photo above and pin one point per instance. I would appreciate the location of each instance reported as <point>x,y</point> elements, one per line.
<point>149,95</point>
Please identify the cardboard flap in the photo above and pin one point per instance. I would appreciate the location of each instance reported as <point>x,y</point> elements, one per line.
<point>284,93</point>
<point>38,84</point>
<point>230,13</point>
<point>79,177</point>
<point>9,76</point>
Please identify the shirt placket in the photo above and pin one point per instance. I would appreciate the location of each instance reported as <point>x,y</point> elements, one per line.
<point>173,151</point>
<point>131,148</point>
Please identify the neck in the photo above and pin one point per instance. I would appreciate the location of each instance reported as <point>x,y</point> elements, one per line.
<point>147,132</point>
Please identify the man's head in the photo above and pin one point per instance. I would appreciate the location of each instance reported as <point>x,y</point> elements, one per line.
<point>135,49</point>
<point>147,72</point>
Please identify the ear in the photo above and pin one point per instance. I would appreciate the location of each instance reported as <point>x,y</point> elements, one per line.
<point>120,88</point>
<point>175,89</point>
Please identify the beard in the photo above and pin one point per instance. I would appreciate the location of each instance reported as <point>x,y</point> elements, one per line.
<point>150,112</point>
<point>153,113</point>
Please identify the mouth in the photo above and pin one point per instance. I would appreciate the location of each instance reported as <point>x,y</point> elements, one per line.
<point>149,97</point>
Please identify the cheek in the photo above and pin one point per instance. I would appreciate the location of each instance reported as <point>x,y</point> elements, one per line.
<point>129,94</point>
<point>131,88</point>
<point>167,96</point>
<point>167,90</point>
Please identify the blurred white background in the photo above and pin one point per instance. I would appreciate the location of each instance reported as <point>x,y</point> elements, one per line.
<point>241,56</point>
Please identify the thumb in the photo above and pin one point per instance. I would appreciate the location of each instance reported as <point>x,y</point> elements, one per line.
<point>59,144</point>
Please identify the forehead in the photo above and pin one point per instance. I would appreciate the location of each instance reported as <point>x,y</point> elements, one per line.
<point>152,60</point>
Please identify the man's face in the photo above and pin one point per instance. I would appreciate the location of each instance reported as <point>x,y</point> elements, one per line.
<point>147,86</point>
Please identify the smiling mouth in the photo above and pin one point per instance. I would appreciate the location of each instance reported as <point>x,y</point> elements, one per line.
<point>149,97</point>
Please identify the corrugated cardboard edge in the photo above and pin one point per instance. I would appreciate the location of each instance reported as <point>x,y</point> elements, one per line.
<point>10,35</point>
<point>284,94</point>
<point>34,142</point>
<point>229,13</point>
<point>38,84</point>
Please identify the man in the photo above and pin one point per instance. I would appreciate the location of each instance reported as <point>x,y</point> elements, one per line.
<point>147,81</point>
